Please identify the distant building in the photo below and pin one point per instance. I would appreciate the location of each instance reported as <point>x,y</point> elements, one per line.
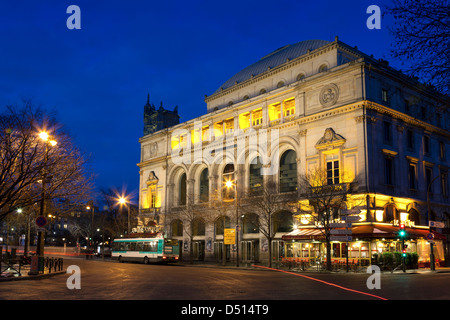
<point>334,108</point>
<point>158,119</point>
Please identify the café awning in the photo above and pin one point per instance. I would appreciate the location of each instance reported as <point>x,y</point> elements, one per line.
<point>374,231</point>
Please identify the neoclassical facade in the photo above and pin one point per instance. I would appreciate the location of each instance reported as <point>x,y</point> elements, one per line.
<point>313,104</point>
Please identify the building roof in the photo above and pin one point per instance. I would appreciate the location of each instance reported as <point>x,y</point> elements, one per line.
<point>273,60</point>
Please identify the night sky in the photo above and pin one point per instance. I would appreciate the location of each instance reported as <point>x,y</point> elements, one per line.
<point>97,78</point>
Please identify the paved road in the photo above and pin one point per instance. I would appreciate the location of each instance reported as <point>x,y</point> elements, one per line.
<point>129,281</point>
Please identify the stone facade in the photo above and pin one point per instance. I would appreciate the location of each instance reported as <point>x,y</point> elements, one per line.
<point>321,102</point>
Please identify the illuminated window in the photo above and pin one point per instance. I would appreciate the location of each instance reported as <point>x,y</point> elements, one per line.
<point>205,133</point>
<point>195,136</point>
<point>175,142</point>
<point>274,111</point>
<point>244,120</point>
<point>289,107</point>
<point>183,140</point>
<point>218,129</point>
<point>229,125</point>
<point>257,117</point>
<point>155,196</point>
<point>332,165</point>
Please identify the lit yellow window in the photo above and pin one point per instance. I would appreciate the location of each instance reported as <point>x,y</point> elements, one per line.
<point>257,117</point>
<point>145,200</point>
<point>244,120</point>
<point>195,136</point>
<point>183,141</point>
<point>229,125</point>
<point>218,129</point>
<point>289,107</point>
<point>175,142</point>
<point>205,133</point>
<point>275,111</point>
<point>155,196</point>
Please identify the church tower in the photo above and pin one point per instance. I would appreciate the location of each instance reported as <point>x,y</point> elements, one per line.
<point>158,119</point>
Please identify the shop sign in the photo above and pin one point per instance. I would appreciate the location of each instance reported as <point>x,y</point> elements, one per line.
<point>341,238</point>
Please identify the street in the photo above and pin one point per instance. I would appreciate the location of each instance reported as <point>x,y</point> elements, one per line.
<point>109,280</point>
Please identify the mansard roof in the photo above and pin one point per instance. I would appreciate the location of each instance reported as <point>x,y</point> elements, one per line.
<point>273,60</point>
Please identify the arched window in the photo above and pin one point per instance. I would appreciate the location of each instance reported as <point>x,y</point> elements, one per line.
<point>262,91</point>
<point>255,175</point>
<point>182,190</point>
<point>283,221</point>
<point>204,186</point>
<point>288,171</point>
<point>250,223</point>
<point>177,228</point>
<point>198,227</point>
<point>221,223</point>
<point>280,84</point>
<point>229,182</point>
<point>390,213</point>
<point>301,76</point>
<point>323,68</point>
<point>414,216</point>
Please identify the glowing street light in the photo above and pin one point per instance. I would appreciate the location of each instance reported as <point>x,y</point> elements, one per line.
<point>124,201</point>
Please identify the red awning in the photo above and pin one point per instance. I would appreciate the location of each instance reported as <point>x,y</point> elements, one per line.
<point>375,231</point>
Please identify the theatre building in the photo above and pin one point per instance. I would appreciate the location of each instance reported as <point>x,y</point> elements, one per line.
<point>314,105</point>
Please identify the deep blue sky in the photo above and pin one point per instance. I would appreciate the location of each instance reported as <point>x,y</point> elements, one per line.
<point>97,78</point>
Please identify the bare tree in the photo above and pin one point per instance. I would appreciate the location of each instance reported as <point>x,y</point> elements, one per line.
<point>33,170</point>
<point>220,209</point>
<point>194,217</point>
<point>261,208</point>
<point>421,31</point>
<point>321,201</point>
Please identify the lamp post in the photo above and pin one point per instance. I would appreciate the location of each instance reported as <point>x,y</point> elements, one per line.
<point>48,142</point>
<point>90,206</point>
<point>432,264</point>
<point>123,201</point>
<point>230,184</point>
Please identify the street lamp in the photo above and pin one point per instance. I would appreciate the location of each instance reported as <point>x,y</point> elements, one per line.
<point>230,184</point>
<point>123,201</point>
<point>48,142</point>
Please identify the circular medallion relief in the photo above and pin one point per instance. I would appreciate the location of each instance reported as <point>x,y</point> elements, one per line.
<point>329,95</point>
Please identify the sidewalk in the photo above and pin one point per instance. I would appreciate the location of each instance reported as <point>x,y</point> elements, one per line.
<point>257,266</point>
<point>12,274</point>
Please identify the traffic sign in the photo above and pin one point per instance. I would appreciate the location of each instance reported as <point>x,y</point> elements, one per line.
<point>437,224</point>
<point>341,231</point>
<point>350,218</point>
<point>341,225</point>
<point>430,236</point>
<point>341,238</point>
<point>41,221</point>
